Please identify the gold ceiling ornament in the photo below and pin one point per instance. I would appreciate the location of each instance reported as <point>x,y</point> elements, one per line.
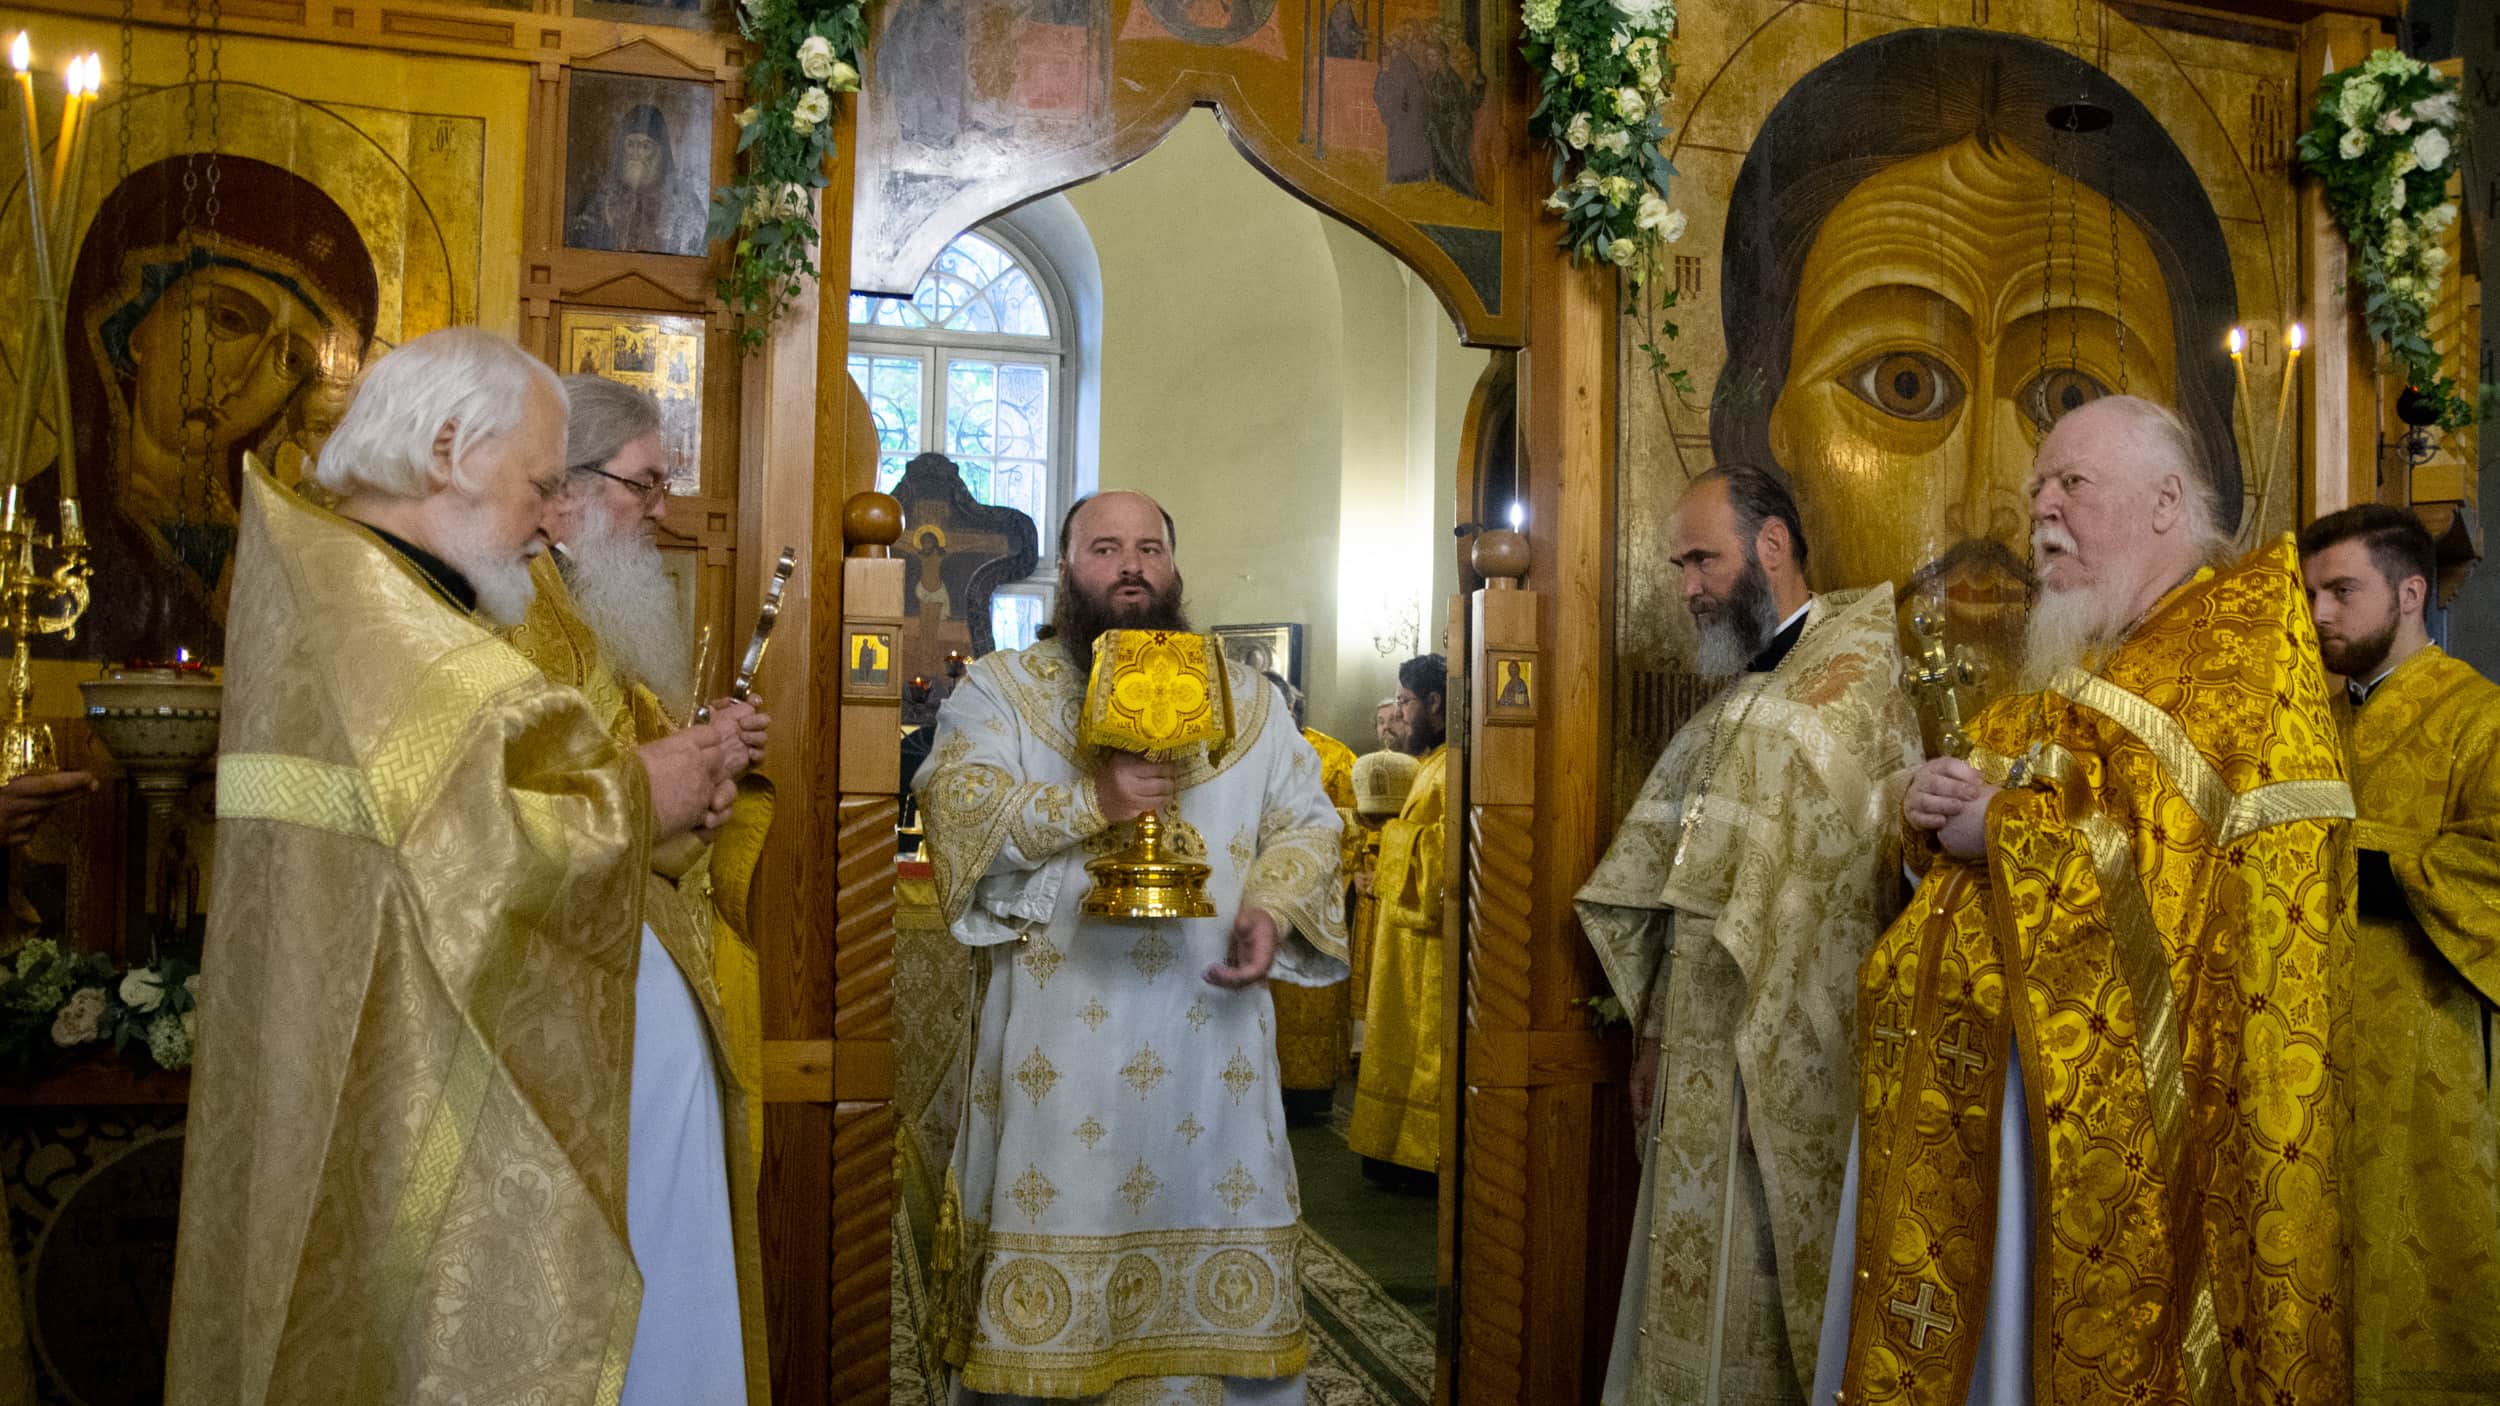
<point>1157,693</point>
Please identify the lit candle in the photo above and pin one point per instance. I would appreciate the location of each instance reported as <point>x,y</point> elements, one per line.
<point>2238,342</point>
<point>73,79</point>
<point>2292,343</point>
<point>21,58</point>
<point>90,72</point>
<point>1518,514</point>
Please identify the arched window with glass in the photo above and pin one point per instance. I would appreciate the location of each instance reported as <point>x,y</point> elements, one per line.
<point>974,366</point>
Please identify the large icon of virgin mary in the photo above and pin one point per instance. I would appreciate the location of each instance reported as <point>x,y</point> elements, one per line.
<point>191,346</point>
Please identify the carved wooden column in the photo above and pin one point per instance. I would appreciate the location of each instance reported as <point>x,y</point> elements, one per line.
<point>863,947</point>
<point>2341,426</point>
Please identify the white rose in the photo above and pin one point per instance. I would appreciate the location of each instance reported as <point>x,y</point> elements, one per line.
<point>1644,14</point>
<point>812,108</point>
<point>1630,105</point>
<point>2396,122</point>
<point>2353,144</point>
<point>1614,143</point>
<point>1673,229</point>
<point>843,79</point>
<point>1623,252</point>
<point>2431,149</point>
<point>1566,62</point>
<point>816,57</point>
<point>1587,179</point>
<point>2435,258</point>
<point>79,1017</point>
<point>1619,42</point>
<point>1578,132</point>
<point>2439,218</point>
<point>143,990</point>
<point>1653,212</point>
<point>747,116</point>
<point>2439,110</point>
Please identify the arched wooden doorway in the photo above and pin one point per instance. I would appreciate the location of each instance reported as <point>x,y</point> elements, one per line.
<point>1531,802</point>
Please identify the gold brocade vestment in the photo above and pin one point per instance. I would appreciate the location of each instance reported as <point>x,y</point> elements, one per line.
<point>1313,1023</point>
<point>1397,1089</point>
<point>405,1172</point>
<point>694,903</point>
<point>2425,1181</point>
<point>2159,929</point>
<point>1752,873</point>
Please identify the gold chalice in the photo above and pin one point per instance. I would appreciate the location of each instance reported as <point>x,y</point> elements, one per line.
<point>1158,693</point>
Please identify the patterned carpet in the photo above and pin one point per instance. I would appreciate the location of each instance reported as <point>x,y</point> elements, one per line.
<point>1366,1348</point>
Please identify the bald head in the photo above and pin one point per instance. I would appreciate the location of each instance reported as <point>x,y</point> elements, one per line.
<point>1116,571</point>
<point>1079,508</point>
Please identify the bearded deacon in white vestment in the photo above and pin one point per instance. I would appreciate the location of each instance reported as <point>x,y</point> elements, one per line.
<point>1753,873</point>
<point>1120,1212</point>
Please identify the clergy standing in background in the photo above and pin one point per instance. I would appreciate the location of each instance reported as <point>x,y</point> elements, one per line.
<point>1381,783</point>
<point>606,620</point>
<point>1121,1210</point>
<point>1314,1024</point>
<point>2423,738</point>
<point>1753,873</point>
<point>2102,1152</point>
<point>1397,1091</point>
<point>409,1152</point>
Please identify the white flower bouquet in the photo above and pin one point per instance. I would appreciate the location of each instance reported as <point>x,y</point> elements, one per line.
<point>806,51</point>
<point>2382,137</point>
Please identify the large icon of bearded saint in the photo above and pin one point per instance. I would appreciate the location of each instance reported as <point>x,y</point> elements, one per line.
<point>190,348</point>
<point>1922,274</point>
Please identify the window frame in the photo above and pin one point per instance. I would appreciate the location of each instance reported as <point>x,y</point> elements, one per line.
<point>1059,355</point>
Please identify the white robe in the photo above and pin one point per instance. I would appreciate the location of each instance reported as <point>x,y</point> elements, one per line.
<point>689,1348</point>
<point>1123,1186</point>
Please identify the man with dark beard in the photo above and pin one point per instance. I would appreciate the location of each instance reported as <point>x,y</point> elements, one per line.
<point>606,621</point>
<point>1124,1136</point>
<point>1752,874</point>
<point>2422,733</point>
<point>2103,1143</point>
<point>1397,1092</point>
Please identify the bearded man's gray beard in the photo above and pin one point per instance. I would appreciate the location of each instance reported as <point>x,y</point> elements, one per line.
<point>1742,627</point>
<point>623,593</point>
<point>2066,627</point>
<point>503,585</point>
<point>1079,620</point>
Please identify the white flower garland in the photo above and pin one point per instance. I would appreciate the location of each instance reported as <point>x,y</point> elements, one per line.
<point>1605,74</point>
<point>2382,136</point>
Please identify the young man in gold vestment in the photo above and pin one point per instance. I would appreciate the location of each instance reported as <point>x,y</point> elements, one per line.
<point>2422,732</point>
<point>406,1174</point>
<point>1397,1091</point>
<point>607,620</point>
<point>1752,873</point>
<point>1314,1024</point>
<point>2101,1146</point>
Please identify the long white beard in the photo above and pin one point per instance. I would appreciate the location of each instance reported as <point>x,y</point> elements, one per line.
<point>623,593</point>
<point>503,585</point>
<point>2066,626</point>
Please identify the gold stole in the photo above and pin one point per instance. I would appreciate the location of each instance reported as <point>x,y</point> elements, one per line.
<point>2158,928</point>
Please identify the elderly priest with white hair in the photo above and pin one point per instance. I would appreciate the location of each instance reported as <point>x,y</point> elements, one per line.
<point>409,1147</point>
<point>2100,1147</point>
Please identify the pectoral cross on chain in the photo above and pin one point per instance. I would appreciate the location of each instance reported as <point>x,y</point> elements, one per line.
<point>1922,1316</point>
<point>1964,1060</point>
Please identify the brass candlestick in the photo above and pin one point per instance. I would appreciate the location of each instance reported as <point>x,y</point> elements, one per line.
<point>35,600</point>
<point>1157,693</point>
